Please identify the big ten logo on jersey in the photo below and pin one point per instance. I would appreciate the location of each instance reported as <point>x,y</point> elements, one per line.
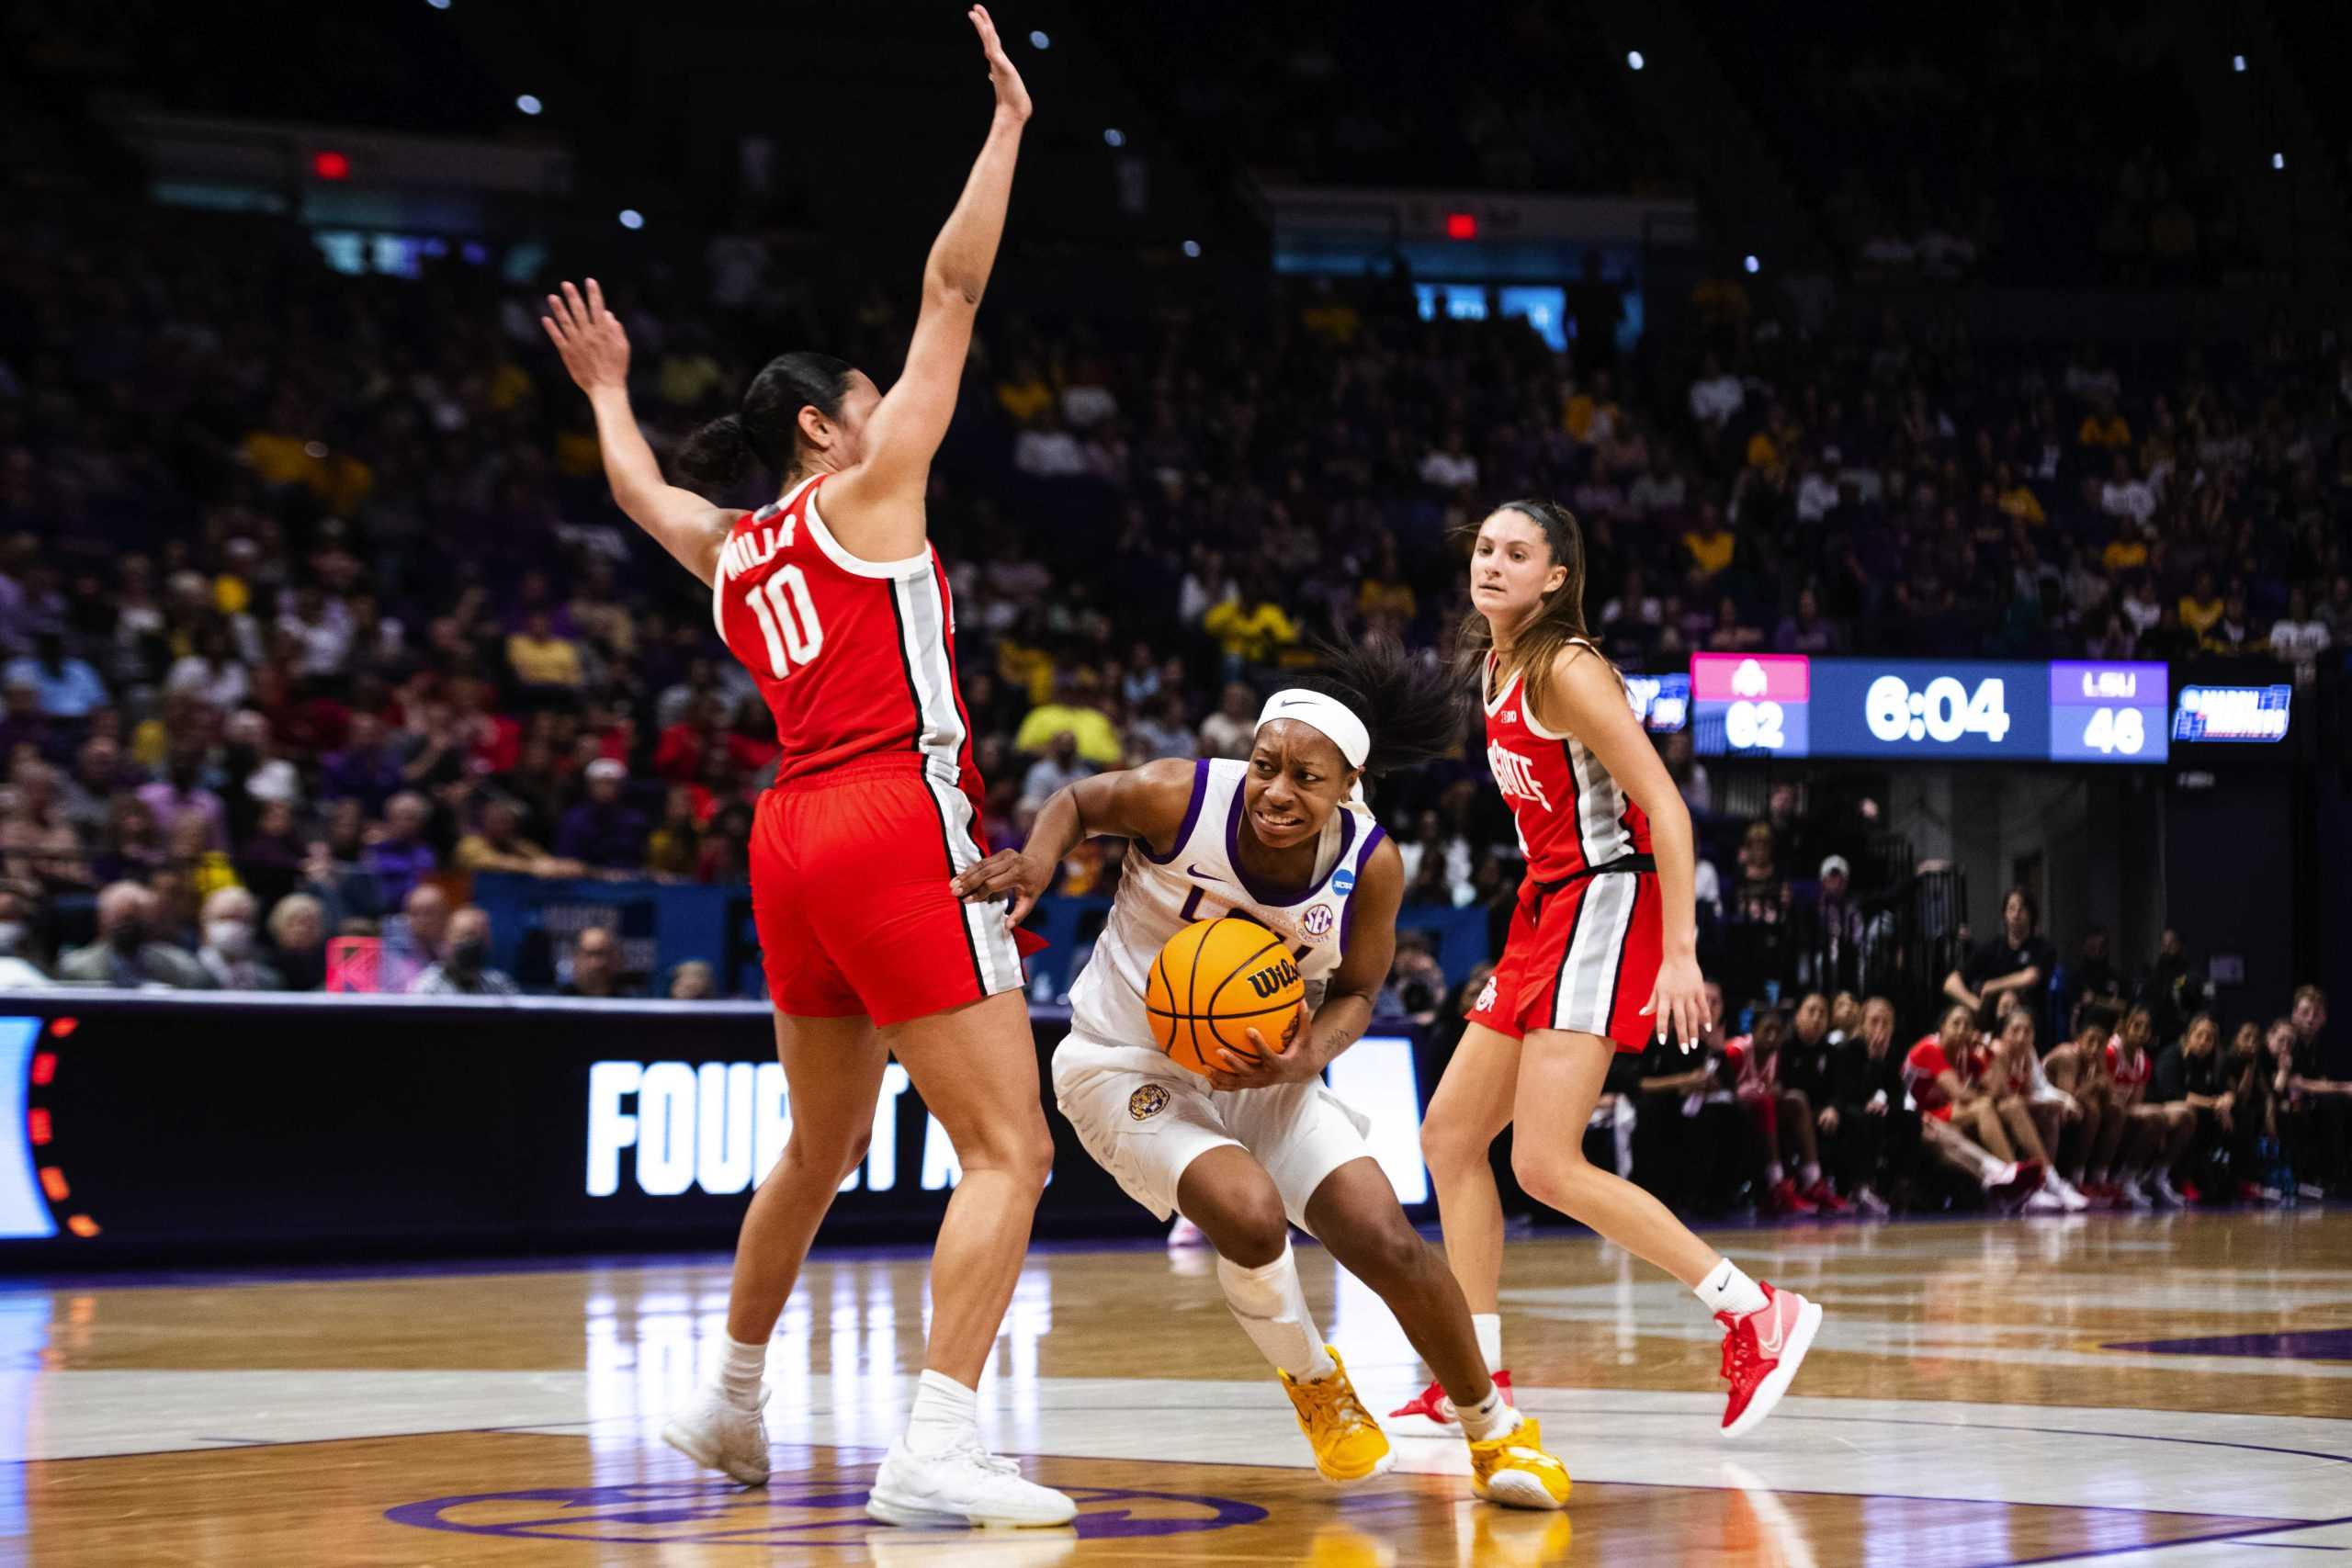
<point>1270,980</point>
<point>1515,775</point>
<point>780,602</point>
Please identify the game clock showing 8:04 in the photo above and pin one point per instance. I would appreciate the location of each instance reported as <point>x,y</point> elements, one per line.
<point>1792,707</point>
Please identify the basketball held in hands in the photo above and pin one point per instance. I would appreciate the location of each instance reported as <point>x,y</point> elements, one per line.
<point>1214,982</point>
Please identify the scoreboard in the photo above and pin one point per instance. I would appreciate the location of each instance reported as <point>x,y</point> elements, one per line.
<point>1922,709</point>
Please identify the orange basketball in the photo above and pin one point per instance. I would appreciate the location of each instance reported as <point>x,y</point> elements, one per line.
<point>1215,981</point>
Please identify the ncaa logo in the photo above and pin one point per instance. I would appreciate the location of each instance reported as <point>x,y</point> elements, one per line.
<point>1148,1101</point>
<point>1317,920</point>
<point>1343,882</point>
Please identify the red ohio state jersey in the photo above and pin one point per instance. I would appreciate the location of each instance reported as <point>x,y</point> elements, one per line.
<point>1572,816</point>
<point>855,658</point>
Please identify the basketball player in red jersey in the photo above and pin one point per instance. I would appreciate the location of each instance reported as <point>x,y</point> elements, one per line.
<point>834,600</point>
<point>1602,956</point>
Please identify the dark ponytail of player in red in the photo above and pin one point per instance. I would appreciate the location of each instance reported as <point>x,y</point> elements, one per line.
<point>765,437</point>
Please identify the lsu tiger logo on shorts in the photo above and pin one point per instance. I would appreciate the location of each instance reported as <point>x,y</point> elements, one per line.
<point>1148,1101</point>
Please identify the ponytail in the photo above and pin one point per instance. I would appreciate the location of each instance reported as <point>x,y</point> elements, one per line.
<point>1412,709</point>
<point>719,456</point>
<point>765,434</point>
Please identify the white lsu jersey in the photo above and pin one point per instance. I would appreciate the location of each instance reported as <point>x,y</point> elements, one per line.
<point>1201,878</point>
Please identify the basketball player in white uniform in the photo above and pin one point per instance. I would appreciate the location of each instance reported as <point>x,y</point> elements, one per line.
<point>1281,838</point>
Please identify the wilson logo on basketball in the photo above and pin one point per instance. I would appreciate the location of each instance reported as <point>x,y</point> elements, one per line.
<point>1274,977</point>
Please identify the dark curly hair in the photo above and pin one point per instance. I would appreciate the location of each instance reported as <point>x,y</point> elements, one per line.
<point>1413,708</point>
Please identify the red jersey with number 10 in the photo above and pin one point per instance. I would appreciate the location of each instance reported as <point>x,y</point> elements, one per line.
<point>856,658</point>
<point>1572,816</point>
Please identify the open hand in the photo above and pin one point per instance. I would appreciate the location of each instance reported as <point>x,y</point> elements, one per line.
<point>589,337</point>
<point>1011,93</point>
<point>1679,1002</point>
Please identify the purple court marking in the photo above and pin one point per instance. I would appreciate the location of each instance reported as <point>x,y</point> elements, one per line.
<point>2309,1345</point>
<point>721,1514</point>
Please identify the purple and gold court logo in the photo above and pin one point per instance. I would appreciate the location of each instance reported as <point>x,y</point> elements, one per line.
<point>811,1514</point>
<point>1148,1102</point>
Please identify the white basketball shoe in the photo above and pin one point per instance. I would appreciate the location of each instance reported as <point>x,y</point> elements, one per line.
<point>722,1436</point>
<point>962,1484</point>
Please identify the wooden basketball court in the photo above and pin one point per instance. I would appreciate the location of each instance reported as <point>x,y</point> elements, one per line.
<point>2169,1389</point>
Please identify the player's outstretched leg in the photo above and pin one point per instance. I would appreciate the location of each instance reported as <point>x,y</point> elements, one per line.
<point>833,1067</point>
<point>1766,1332</point>
<point>1468,1112</point>
<point>976,1067</point>
<point>1356,1213</point>
<point>1228,1194</point>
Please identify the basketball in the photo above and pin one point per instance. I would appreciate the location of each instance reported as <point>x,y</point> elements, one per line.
<point>1215,981</point>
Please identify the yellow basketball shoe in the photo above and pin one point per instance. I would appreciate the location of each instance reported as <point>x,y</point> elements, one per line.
<point>1349,1444</point>
<point>1513,1470</point>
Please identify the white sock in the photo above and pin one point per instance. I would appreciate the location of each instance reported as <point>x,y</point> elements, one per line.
<point>1991,1172</point>
<point>1270,1306</point>
<point>1490,1417</point>
<point>1809,1176</point>
<point>1775,1173</point>
<point>944,1411</point>
<point>1726,1288</point>
<point>738,1373</point>
<point>1489,1329</point>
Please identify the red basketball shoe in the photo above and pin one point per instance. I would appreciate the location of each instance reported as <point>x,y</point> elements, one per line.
<point>1762,1352</point>
<point>1433,1406</point>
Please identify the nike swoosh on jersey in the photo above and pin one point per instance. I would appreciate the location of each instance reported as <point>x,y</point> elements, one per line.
<point>1203,875</point>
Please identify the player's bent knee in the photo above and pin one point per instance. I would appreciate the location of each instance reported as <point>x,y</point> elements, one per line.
<point>1449,1147</point>
<point>1551,1177</point>
<point>1247,1225</point>
<point>1382,1253</point>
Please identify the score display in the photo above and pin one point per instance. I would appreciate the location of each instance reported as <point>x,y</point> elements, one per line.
<point>1790,705</point>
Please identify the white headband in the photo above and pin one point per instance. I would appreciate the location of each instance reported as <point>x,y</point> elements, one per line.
<point>1328,715</point>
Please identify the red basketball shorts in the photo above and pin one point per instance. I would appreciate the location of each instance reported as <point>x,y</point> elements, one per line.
<point>849,890</point>
<point>1584,957</point>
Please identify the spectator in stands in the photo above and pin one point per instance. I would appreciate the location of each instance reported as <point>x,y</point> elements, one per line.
<point>675,843</point>
<point>1709,545</point>
<point>498,845</point>
<point>369,768</point>
<point>695,981</point>
<point>2322,1101</point>
<point>1716,395</point>
<point>183,792</point>
<point>2019,958</point>
<point>1449,467</point>
<point>1251,633</point>
<point>38,842</point>
<point>541,660</point>
<point>131,849</point>
<point>89,790</point>
<point>1689,1131</point>
<point>2095,977</point>
<point>1760,910</point>
<point>1415,986</point>
<point>1231,730</point>
<point>2299,638</point>
<point>126,955</point>
<point>464,969</point>
<point>63,686</point>
<point>1074,711</point>
<point>297,941</point>
<point>601,832</point>
<point>1782,1118</point>
<point>1058,769</point>
<point>595,965</point>
<point>22,954</point>
<point>414,939</point>
<point>2171,989</point>
<point>397,853</point>
<point>1863,1116</point>
<point>230,953</point>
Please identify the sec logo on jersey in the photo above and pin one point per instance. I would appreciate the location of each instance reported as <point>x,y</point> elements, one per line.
<point>1317,922</point>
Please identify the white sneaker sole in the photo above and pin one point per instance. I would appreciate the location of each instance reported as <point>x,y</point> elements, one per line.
<point>1517,1489</point>
<point>915,1515</point>
<point>706,1454</point>
<point>1775,1383</point>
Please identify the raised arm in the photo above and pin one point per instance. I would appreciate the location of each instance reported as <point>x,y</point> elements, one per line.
<point>875,509</point>
<point>1588,700</point>
<point>596,351</point>
<point>1147,802</point>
